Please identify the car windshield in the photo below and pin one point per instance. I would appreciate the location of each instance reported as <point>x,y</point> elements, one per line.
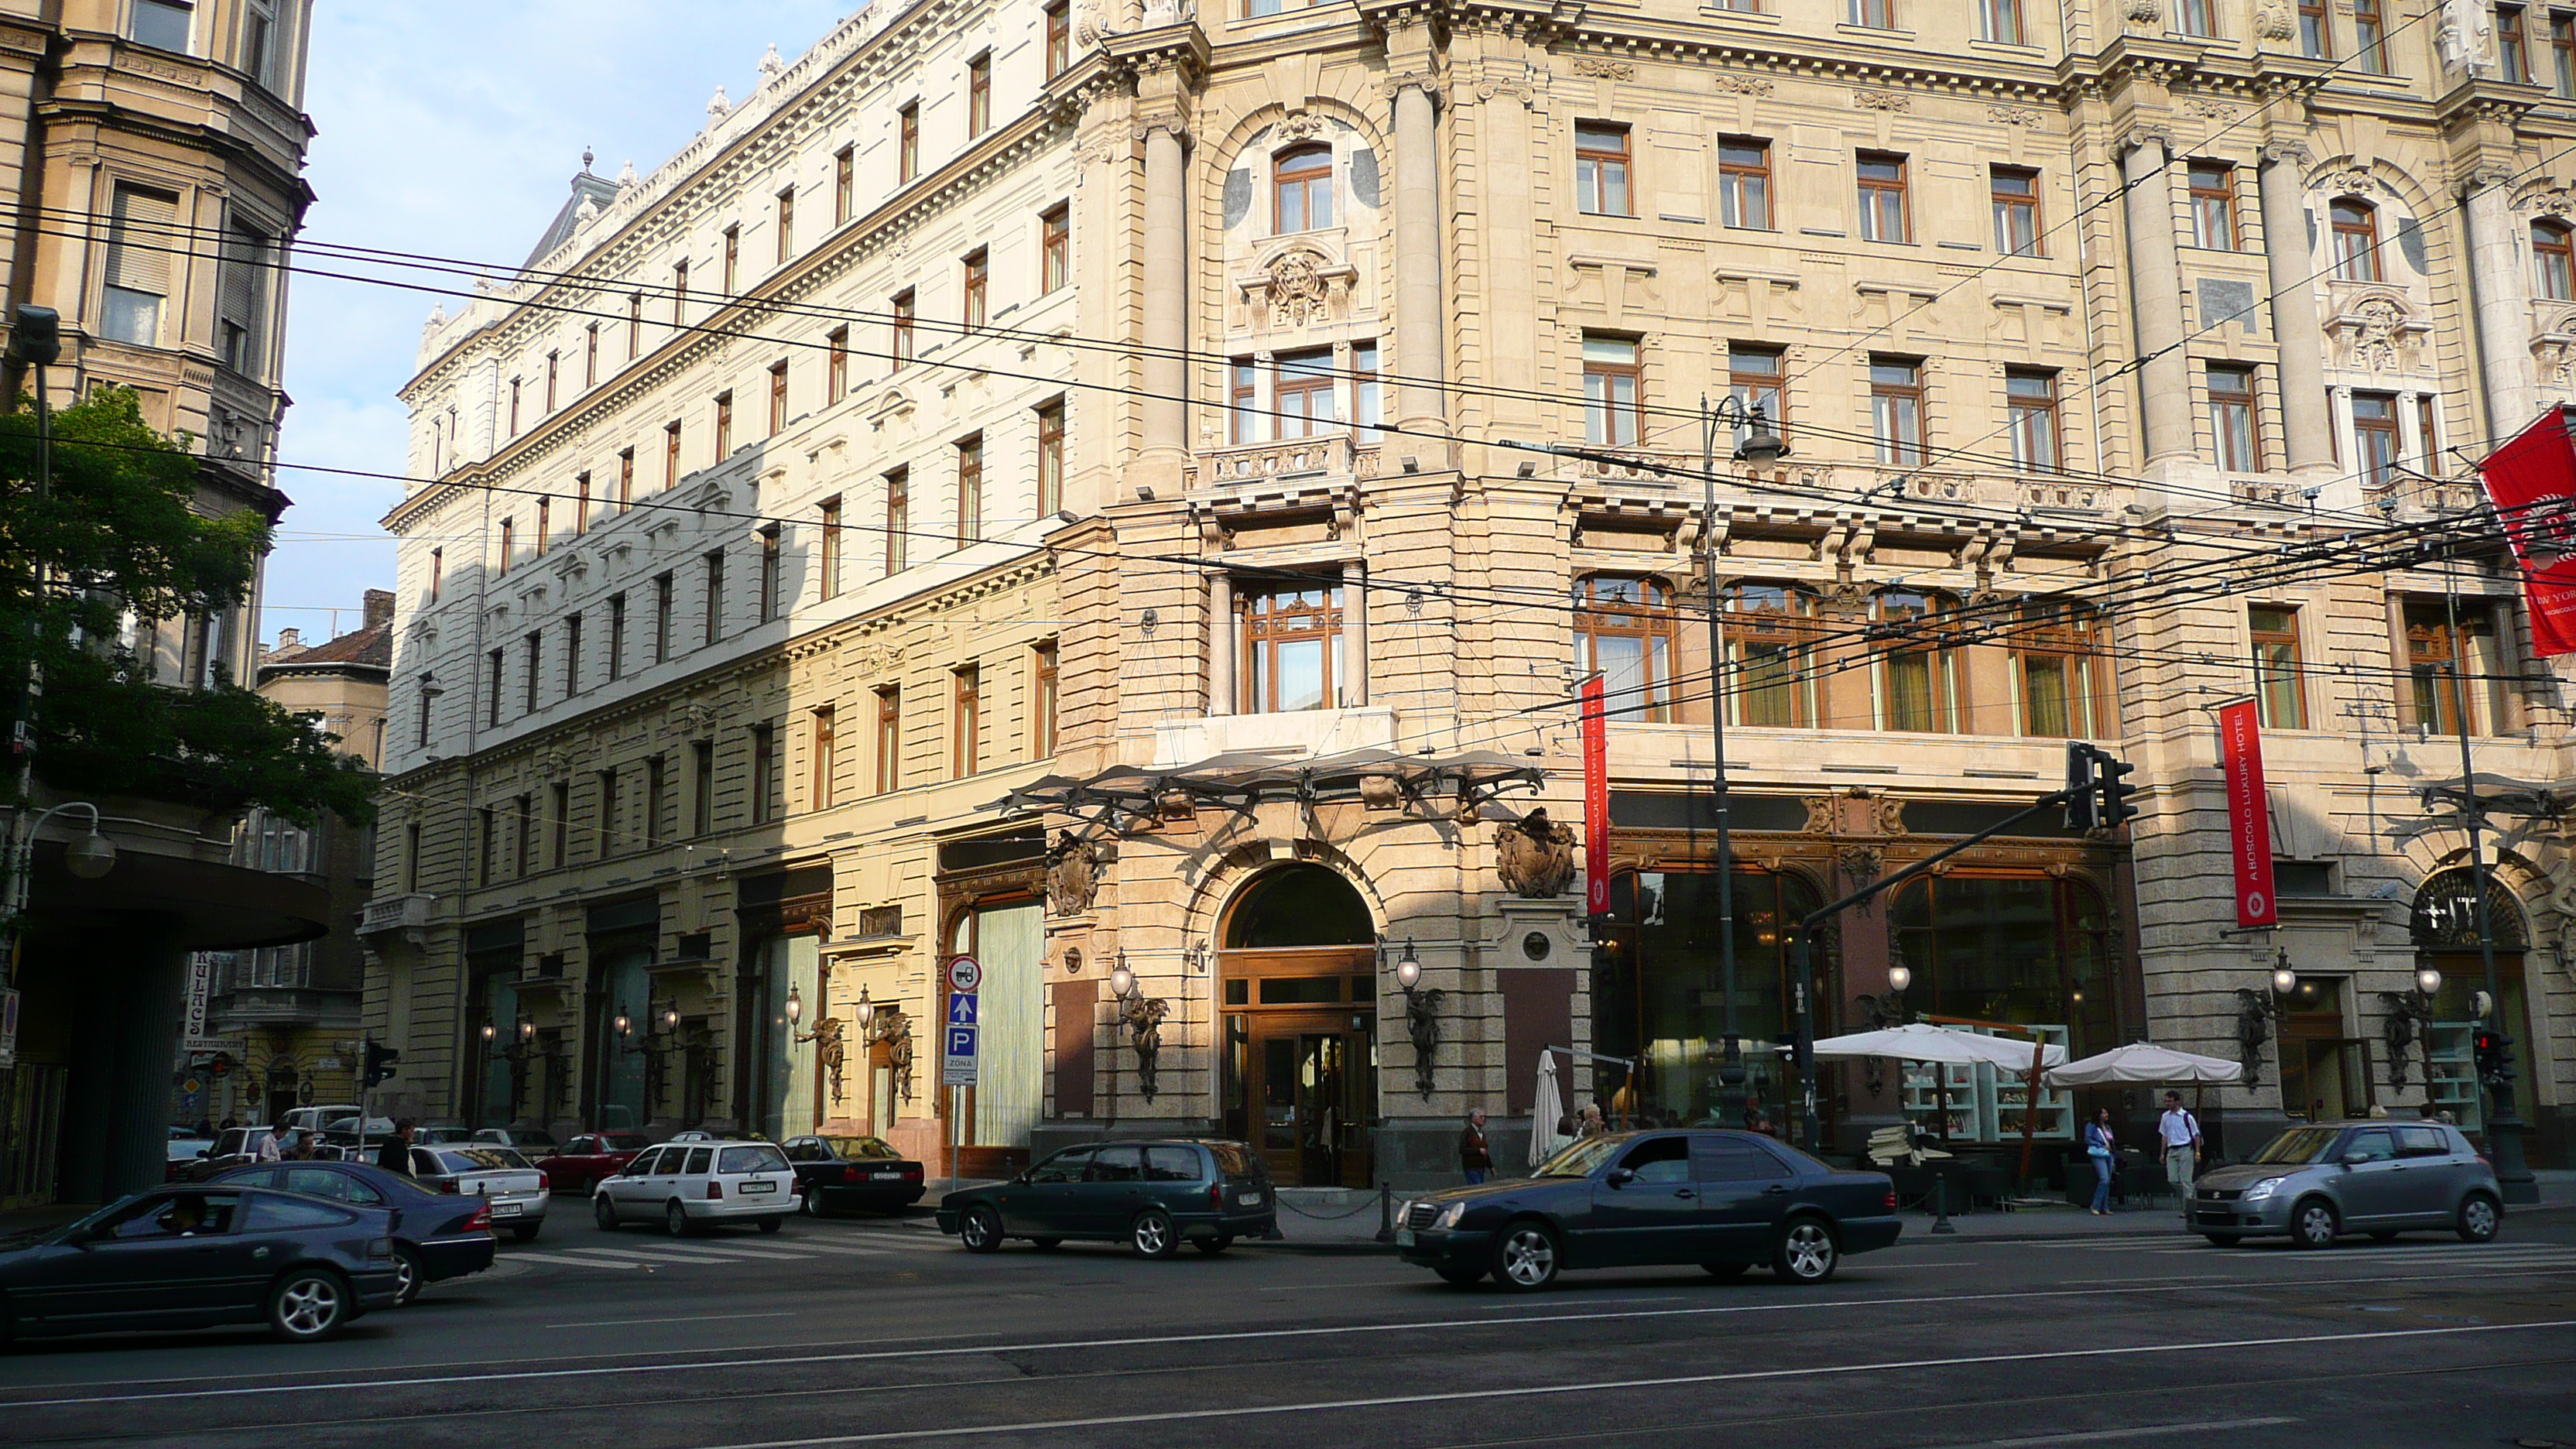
<point>761,1158</point>
<point>861,1148</point>
<point>1581,1159</point>
<point>2298,1145</point>
<point>479,1159</point>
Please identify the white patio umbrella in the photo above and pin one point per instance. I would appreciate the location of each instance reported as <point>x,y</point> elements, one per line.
<point>2142,1062</point>
<point>1922,1042</point>
<point>1544,1114</point>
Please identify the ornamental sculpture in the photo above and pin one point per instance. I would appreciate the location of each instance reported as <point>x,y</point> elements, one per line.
<point>1144,1017</point>
<point>829,1053</point>
<point>1422,1024</point>
<point>1073,875</point>
<point>1535,856</point>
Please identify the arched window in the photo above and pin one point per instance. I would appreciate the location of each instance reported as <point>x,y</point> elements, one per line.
<point>2554,248</point>
<point>2057,663</point>
<point>1623,631</point>
<point>1301,189</point>
<point>1770,643</point>
<point>1298,905</point>
<point>2356,241</point>
<point>1915,686</point>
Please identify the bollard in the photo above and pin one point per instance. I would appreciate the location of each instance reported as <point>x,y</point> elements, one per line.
<point>1385,1213</point>
<point>1941,1203</point>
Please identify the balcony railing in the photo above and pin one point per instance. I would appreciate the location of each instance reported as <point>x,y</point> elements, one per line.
<point>1324,456</point>
<point>394,913</point>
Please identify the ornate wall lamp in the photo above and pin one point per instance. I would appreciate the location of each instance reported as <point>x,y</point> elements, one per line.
<point>521,1049</point>
<point>888,1026</point>
<point>1421,1017</point>
<point>661,1037</point>
<point>1144,1017</point>
<point>2408,1024</point>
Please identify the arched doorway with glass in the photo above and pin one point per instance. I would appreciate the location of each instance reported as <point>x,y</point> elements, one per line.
<point>1658,996</point>
<point>1297,979</point>
<point>784,998</point>
<point>620,990</point>
<point>2444,926</point>
<point>496,1102</point>
<point>989,1122</point>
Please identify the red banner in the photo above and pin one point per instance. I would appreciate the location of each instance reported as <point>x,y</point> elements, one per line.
<point>2249,813</point>
<point>2532,483</point>
<point>1596,799</point>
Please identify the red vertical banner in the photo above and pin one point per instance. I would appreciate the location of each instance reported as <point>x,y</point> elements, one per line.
<point>1596,799</point>
<point>2249,813</point>
<point>2532,483</point>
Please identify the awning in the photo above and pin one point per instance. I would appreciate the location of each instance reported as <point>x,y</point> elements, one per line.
<point>2503,795</point>
<point>1242,779</point>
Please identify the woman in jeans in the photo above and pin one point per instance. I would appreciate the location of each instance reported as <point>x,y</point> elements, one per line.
<point>2099,1147</point>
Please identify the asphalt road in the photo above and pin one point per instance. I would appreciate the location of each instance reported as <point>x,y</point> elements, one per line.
<point>868,1331</point>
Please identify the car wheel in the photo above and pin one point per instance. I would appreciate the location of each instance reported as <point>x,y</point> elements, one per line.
<point>675,1219</point>
<point>2313,1224</point>
<point>1460,1277</point>
<point>1047,1245</point>
<point>771,1225</point>
<point>526,1232</point>
<point>2479,1219</point>
<point>308,1306</point>
<point>2226,1240</point>
<point>980,1230</point>
<point>1807,1251</point>
<point>1526,1257</point>
<point>603,1212</point>
<point>1725,1272</point>
<point>811,1204</point>
<point>408,1277</point>
<point>1212,1246</point>
<point>1152,1234</point>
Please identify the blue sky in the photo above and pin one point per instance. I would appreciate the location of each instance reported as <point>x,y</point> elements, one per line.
<point>453,129</point>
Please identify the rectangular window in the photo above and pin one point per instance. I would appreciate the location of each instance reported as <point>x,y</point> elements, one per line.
<point>1242,391</point>
<point>572,655</point>
<point>1055,248</point>
<point>889,739</point>
<point>164,24</point>
<point>714,621</point>
<point>1366,409</point>
<point>437,572</point>
<point>1623,631</point>
<point>2030,402</point>
<point>769,560</point>
<point>411,857</point>
<point>545,524</point>
<point>724,426</point>
<point>581,504</point>
<point>979,94</point>
<point>845,183</point>
<point>608,841</point>
<point>702,783</point>
<point>2213,206</point>
<point>656,787</point>
<point>2057,669</point>
<point>2369,38</point>
<point>2452,665</point>
<point>1304,396</point>
<point>1613,392</point>
<point>1874,14</point>
<point>616,636</point>
<point>1255,9</point>
<point>1770,641</point>
<point>534,670</point>
<point>1914,674</point>
<point>970,490</point>
<point>525,844</point>
<point>2513,51</point>
<point>2374,433</point>
<point>1744,183</point>
<point>2278,702</point>
<point>625,479</point>
<point>1042,700</point>
<point>1896,410</point>
<point>514,407</point>
<point>786,224</point>
<point>830,562</point>
<point>2562,54</point>
<point>1292,640</point>
<point>1600,169</point>
<point>2553,247</point>
<point>2234,422</point>
<point>1301,189</point>
<point>634,326</point>
<point>732,263</point>
<point>559,801</point>
<point>1756,377</point>
<point>493,664</point>
<point>764,772</point>
<point>590,356</point>
<point>2003,22</point>
<point>2428,430</point>
<point>241,302</point>
<point>905,314</point>
<point>777,398</point>
<point>825,760</point>
<point>836,366</point>
<point>671,456</point>
<point>1883,214</point>
<point>2015,193</point>
<point>978,288</point>
<point>1050,459</point>
<point>680,293</point>
<point>2197,17</point>
<point>509,542</point>
<point>967,723</point>
<point>554,375</point>
<point>664,586</point>
<point>488,827</point>
<point>907,144</point>
<point>898,520</point>
<point>2316,35</point>
<point>1059,38</point>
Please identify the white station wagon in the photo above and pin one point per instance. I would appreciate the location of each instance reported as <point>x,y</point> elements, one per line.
<point>692,1184</point>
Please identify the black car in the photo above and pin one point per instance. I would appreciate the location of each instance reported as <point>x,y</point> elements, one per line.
<point>1723,1200</point>
<point>1148,1194</point>
<point>834,1174</point>
<point>197,1256</point>
<point>436,1235</point>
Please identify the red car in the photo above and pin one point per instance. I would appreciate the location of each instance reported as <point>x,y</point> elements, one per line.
<point>588,1158</point>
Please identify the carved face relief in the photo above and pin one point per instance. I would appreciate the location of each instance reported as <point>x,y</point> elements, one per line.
<point>1297,293</point>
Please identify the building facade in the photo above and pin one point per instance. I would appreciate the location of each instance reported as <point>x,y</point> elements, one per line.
<point>1132,499</point>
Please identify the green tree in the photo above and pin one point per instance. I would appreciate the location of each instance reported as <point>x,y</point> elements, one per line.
<point>120,534</point>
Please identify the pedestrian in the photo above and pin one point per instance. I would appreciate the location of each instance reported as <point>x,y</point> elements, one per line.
<point>395,1155</point>
<point>1475,1154</point>
<point>1590,1123</point>
<point>2179,1132</point>
<point>269,1150</point>
<point>2101,1148</point>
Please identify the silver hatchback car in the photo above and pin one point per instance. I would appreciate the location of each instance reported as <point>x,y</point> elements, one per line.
<point>2314,1184</point>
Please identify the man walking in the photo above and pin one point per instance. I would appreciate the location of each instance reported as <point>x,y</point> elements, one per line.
<point>1475,1155</point>
<point>2180,1133</point>
<point>395,1155</point>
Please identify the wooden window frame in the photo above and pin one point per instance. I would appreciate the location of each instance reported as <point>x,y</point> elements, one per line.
<point>2513,45</point>
<point>2071,634</point>
<point>1055,248</point>
<point>1297,385</point>
<point>1273,617</point>
<point>1059,38</point>
<point>829,564</point>
<point>1600,170</point>
<point>970,489</point>
<point>2273,643</point>
<point>1783,620</point>
<point>836,367</point>
<point>2016,210</point>
<point>898,529</point>
<point>1243,402</point>
<point>1764,386</point>
<point>764,772</point>
<point>2223,403</point>
<point>786,226</point>
<point>2554,242</point>
<point>2212,189</point>
<point>1603,409</point>
<point>770,573</point>
<point>1306,173</point>
<point>965,721</point>
<point>778,397</point>
<point>979,94</point>
<point>889,744</point>
<point>906,308</point>
<point>712,613</point>
<point>1929,637</point>
<point>1050,459</point>
<point>2382,435</point>
<point>2369,37</point>
<point>2316,29</point>
<point>1045,686</point>
<point>1738,179</point>
<point>1875,191</point>
<point>625,479</point>
<point>724,424</point>
<point>1602,611</point>
<point>907,152</point>
<point>671,454</point>
<point>845,184</point>
<point>732,238</point>
<point>826,758</point>
<point>975,308</point>
<point>1891,400</point>
<point>2034,420</point>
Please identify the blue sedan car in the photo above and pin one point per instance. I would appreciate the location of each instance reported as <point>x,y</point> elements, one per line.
<point>1723,1200</point>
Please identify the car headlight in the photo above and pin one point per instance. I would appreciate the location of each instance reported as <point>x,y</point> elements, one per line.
<point>1449,1216</point>
<point>2262,1189</point>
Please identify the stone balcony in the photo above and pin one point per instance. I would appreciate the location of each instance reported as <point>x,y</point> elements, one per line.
<point>1289,464</point>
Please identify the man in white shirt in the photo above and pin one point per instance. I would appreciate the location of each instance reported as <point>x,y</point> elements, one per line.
<point>2180,1133</point>
<point>269,1150</point>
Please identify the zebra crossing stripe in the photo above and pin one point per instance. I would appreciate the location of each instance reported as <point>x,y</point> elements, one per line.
<point>568,1260</point>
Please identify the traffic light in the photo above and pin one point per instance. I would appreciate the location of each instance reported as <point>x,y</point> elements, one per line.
<point>222,1064</point>
<point>2079,786</point>
<point>2487,1049</point>
<point>379,1063</point>
<point>35,335</point>
<point>2111,806</point>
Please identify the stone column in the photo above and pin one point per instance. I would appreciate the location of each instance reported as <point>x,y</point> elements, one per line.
<point>117,1109</point>
<point>2309,435</point>
<point>2497,280</point>
<point>1221,644</point>
<point>2155,277</point>
<point>1166,321</point>
<point>1420,347</point>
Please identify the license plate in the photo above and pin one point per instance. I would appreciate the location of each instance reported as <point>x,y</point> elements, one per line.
<point>505,1210</point>
<point>760,1187</point>
<point>1252,1199</point>
<point>1404,1237</point>
<point>885,1177</point>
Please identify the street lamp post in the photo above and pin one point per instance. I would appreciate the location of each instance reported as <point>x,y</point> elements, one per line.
<point>2504,1125</point>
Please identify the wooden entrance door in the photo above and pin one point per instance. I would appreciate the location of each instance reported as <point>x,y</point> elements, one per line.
<point>1306,1078</point>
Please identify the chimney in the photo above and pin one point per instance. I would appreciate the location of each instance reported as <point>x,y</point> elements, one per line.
<point>288,641</point>
<point>380,607</point>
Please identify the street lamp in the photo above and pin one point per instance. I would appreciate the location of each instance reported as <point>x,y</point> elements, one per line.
<point>2428,981</point>
<point>1421,1017</point>
<point>795,1006</point>
<point>1144,1018</point>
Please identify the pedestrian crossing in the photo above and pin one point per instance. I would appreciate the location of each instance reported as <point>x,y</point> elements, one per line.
<point>780,1250</point>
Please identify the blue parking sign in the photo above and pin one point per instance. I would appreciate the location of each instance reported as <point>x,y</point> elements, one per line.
<point>957,1057</point>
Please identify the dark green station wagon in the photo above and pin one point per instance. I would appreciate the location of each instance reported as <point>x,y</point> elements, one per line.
<point>1147,1194</point>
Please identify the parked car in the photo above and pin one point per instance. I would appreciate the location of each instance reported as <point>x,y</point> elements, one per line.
<point>838,1173</point>
<point>436,1236</point>
<point>2317,1182</point>
<point>589,1158</point>
<point>441,1133</point>
<point>197,1256</point>
<point>185,1153</point>
<point>234,1147</point>
<point>1150,1195</point>
<point>530,1141</point>
<point>1723,1200</point>
<point>689,1185</point>
<point>499,1175</point>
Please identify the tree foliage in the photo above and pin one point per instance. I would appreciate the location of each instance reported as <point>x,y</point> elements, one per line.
<point>122,538</point>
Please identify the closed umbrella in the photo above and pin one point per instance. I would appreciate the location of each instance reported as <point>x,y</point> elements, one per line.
<point>2143,1062</point>
<point>1544,1114</point>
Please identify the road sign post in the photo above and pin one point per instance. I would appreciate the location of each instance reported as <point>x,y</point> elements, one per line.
<point>957,1047</point>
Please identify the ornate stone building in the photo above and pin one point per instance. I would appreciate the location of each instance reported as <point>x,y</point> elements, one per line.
<point>1131,497</point>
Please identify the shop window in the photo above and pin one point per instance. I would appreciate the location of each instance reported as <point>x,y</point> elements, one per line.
<point>1291,642</point>
<point>2023,950</point>
<point>1915,666</point>
<point>1623,631</point>
<point>1770,638</point>
<point>1656,992</point>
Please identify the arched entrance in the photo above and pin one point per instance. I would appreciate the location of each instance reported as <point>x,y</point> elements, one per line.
<point>1297,973</point>
<point>2445,931</point>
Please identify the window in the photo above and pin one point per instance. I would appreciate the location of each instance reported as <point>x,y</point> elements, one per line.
<point>2554,247</point>
<point>509,542</point>
<point>625,479</point>
<point>786,224</point>
<point>241,303</point>
<point>830,568</point>
<point>2234,427</point>
<point>2452,663</point>
<point>1882,198</point>
<point>777,398</point>
<point>1623,631</point>
<point>1896,410</point>
<point>534,668</point>
<point>2213,206</point>
<point>680,293</point>
<point>1613,392</point>
<point>967,719</point>
<point>978,288</point>
<point>554,376</point>
<point>1601,170</point>
<point>634,326</point>
<point>724,426</point>
<point>824,762</point>
<point>845,183</point>
<point>898,518</point>
<point>702,798</point>
<point>769,601</point>
<point>2003,21</point>
<point>428,702</point>
<point>836,366</point>
<point>907,143</point>
<point>488,828</point>
<point>2428,429</point>
<point>559,827</point>
<point>437,572</point>
<point>164,24</point>
<point>2316,36</point>
<point>2030,403</point>
<point>581,504</point>
<point>2197,17</point>
<point>664,587</point>
<point>2056,667</point>
<point>1059,38</point>
<point>714,621</point>
<point>616,636</point>
<point>2374,434</point>
<point>979,94</point>
<point>1744,184</point>
<point>1055,248</point>
<point>970,490</point>
<point>493,664</point>
<point>1913,662</point>
<point>608,842</point>
<point>572,655</point>
<point>671,456</point>
<point>1303,395</point>
<point>2278,701</point>
<point>2562,53</point>
<point>764,772</point>
<point>656,790</point>
<point>1242,391</point>
<point>1050,459</point>
<point>2369,36</point>
<point>1259,8</point>
<point>1290,639</point>
<point>142,227</point>
<point>2513,50</point>
<point>545,524</point>
<point>1769,633</point>
<point>1365,408</point>
<point>905,314</point>
<point>1874,14</point>
<point>732,261</point>
<point>1301,189</point>
<point>590,355</point>
<point>514,407</point>
<point>2015,193</point>
<point>1043,680</point>
<point>889,739</point>
<point>1756,377</point>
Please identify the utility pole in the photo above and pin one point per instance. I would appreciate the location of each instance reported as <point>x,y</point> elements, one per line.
<point>2504,1125</point>
<point>35,342</point>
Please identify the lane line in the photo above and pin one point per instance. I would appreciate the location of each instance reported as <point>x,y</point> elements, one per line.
<point>2098,1436</point>
<point>1459,1396</point>
<point>729,1252</point>
<point>568,1260</point>
<point>647,1322</point>
<point>708,1256</point>
<point>811,1246</point>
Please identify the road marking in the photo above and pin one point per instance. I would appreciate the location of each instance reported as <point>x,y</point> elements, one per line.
<point>664,1256</point>
<point>568,1260</point>
<point>723,1253</point>
<point>811,1245</point>
<point>639,1322</point>
<point>2098,1436</point>
<point>1175,1416</point>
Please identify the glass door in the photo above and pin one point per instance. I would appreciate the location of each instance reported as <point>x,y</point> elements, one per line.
<point>1307,1075</point>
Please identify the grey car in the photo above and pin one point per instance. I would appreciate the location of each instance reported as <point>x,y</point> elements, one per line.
<point>2314,1184</point>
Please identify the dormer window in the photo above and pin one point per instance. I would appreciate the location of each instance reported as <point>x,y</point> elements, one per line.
<point>1302,189</point>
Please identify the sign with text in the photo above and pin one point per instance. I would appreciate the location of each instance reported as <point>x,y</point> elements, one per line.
<point>957,1057</point>
<point>1596,799</point>
<point>201,985</point>
<point>2532,483</point>
<point>2249,814</point>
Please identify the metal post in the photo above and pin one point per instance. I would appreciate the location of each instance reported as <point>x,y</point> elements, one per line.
<point>2504,1125</point>
<point>1730,1074</point>
<point>1941,1199</point>
<point>21,858</point>
<point>1386,1212</point>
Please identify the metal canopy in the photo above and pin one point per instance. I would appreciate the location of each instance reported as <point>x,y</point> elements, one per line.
<point>2504,795</point>
<point>1241,779</point>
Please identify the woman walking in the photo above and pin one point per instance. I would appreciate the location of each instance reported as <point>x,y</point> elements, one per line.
<point>2099,1146</point>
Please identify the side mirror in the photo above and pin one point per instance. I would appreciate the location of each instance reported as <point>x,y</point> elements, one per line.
<point>2355,1158</point>
<point>204,1153</point>
<point>1620,1177</point>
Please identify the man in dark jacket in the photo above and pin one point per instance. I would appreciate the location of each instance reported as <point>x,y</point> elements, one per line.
<point>395,1155</point>
<point>1475,1155</point>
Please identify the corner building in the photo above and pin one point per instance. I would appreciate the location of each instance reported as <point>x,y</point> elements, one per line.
<point>1074,490</point>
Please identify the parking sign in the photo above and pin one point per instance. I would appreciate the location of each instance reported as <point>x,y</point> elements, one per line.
<point>957,1057</point>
